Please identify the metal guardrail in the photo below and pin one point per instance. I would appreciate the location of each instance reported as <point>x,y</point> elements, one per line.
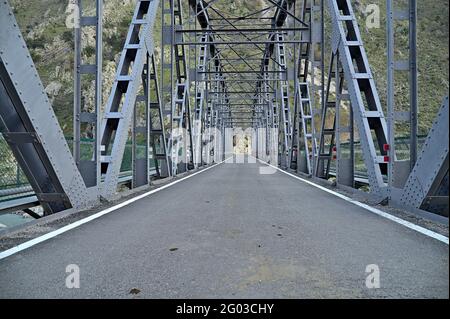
<point>16,192</point>
<point>402,151</point>
<point>13,181</point>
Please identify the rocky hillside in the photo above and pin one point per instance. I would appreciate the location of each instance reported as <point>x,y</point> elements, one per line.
<point>51,45</point>
<point>50,41</point>
<point>433,55</point>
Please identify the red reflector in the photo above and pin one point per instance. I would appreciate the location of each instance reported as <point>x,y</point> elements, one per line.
<point>386,159</point>
<point>334,148</point>
<point>386,147</point>
<point>334,157</point>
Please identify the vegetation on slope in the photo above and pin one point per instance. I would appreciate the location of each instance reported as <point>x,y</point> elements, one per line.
<point>51,45</point>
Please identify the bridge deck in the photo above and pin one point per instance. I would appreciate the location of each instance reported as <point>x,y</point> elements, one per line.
<point>237,234</point>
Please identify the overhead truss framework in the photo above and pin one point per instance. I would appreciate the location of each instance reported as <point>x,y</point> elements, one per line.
<point>258,69</point>
<point>246,79</point>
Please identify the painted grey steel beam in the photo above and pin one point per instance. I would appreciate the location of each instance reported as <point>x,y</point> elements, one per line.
<point>317,58</point>
<point>365,101</point>
<point>140,131</point>
<point>181,131</point>
<point>284,100</point>
<point>413,81</point>
<point>432,164</point>
<point>120,107</point>
<point>390,89</point>
<point>217,43</point>
<point>400,170</point>
<point>30,126</point>
<point>327,139</point>
<point>242,30</point>
<point>304,132</point>
<point>201,65</point>
<point>157,131</point>
<point>89,169</point>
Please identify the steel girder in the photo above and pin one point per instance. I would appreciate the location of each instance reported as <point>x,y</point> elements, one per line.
<point>306,133</point>
<point>121,103</point>
<point>178,137</point>
<point>30,127</point>
<point>176,90</point>
<point>345,159</point>
<point>399,170</point>
<point>317,61</point>
<point>279,112</point>
<point>304,142</point>
<point>327,140</point>
<point>284,100</point>
<point>148,126</point>
<point>364,97</point>
<point>140,130</point>
<point>200,102</point>
<point>89,169</point>
<point>428,183</point>
<point>158,142</point>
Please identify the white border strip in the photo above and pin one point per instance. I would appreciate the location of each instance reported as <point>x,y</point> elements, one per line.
<point>378,212</point>
<point>80,222</point>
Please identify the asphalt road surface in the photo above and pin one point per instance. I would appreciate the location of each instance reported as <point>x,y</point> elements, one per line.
<point>231,232</point>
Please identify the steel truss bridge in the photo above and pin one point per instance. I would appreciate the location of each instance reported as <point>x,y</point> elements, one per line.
<point>293,78</point>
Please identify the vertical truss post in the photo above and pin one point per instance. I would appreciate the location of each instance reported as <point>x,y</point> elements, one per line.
<point>215,110</point>
<point>181,140</point>
<point>223,127</point>
<point>306,119</point>
<point>140,131</point>
<point>208,131</point>
<point>213,135</point>
<point>167,68</point>
<point>158,143</point>
<point>399,170</point>
<point>270,122</point>
<point>345,152</point>
<point>304,52</point>
<point>200,99</point>
<point>294,117</point>
<point>89,168</point>
<point>413,81</point>
<point>210,112</point>
<point>304,116</point>
<point>326,148</point>
<point>219,137</point>
<point>390,91</point>
<point>317,61</point>
<point>285,109</point>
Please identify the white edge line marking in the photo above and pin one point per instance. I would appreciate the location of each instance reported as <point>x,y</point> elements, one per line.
<point>397,220</point>
<point>83,221</point>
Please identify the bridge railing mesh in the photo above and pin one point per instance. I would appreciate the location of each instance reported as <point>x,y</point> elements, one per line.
<point>13,182</point>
